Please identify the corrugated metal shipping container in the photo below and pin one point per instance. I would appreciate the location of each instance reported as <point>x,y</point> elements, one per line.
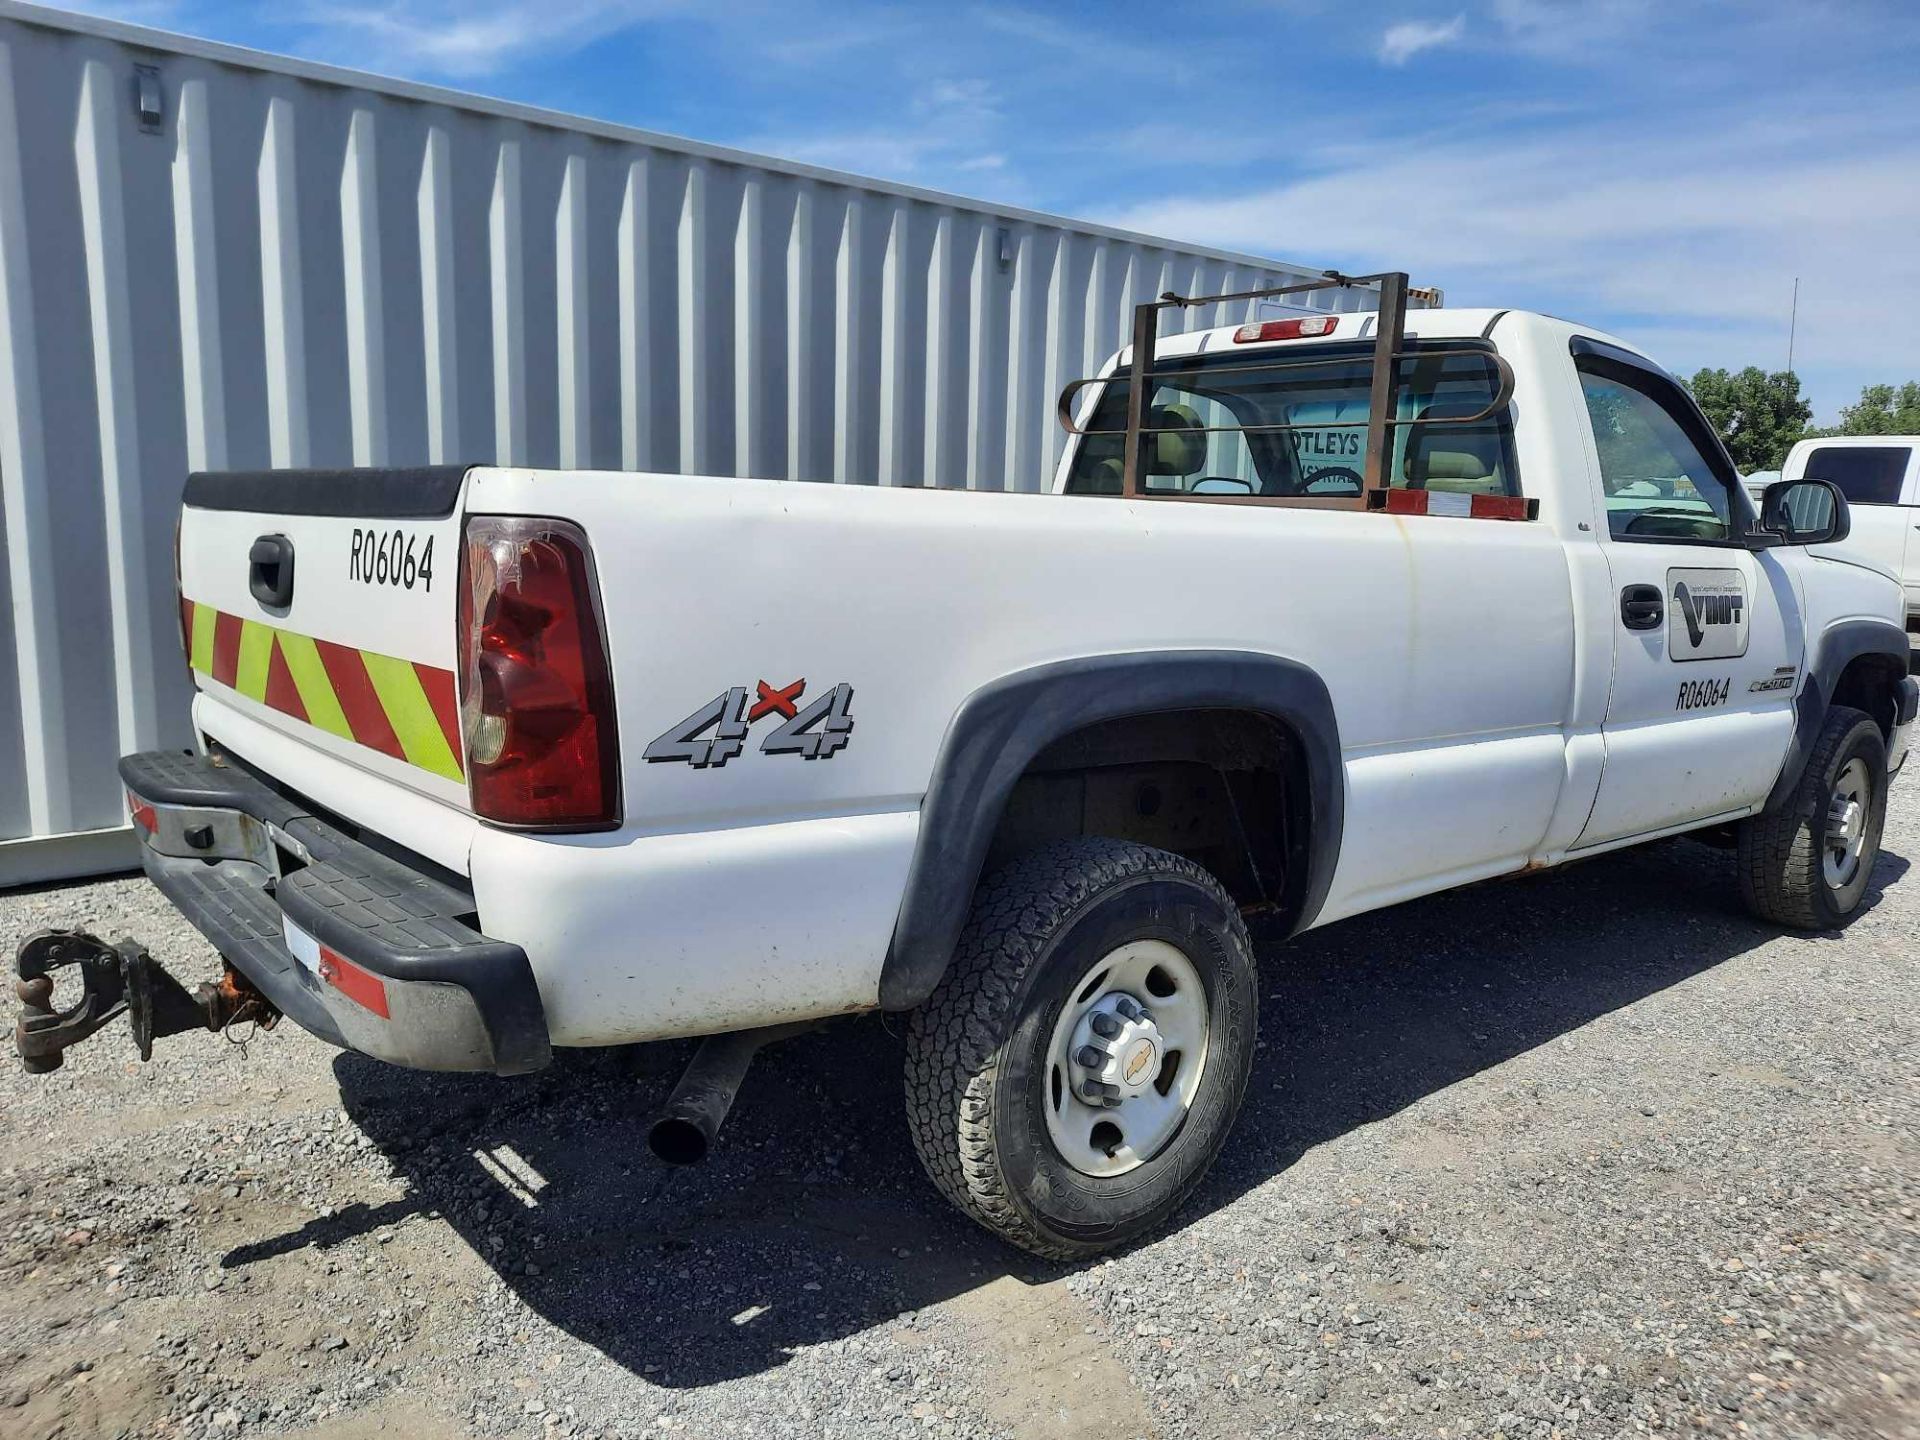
<point>212,258</point>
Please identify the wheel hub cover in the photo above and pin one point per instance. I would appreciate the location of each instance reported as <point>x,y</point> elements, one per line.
<point>1117,1050</point>
<point>1845,826</point>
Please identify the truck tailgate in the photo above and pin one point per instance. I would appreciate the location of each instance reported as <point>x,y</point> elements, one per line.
<point>322,605</point>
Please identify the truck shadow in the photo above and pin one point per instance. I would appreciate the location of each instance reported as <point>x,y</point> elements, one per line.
<point>813,1222</point>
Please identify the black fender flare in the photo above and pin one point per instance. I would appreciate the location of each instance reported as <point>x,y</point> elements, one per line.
<point>999,729</point>
<point>1838,647</point>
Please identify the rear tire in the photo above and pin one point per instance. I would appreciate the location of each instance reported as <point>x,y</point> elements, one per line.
<point>1084,951</point>
<point>1807,865</point>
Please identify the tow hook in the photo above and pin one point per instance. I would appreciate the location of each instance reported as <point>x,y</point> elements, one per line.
<point>117,978</point>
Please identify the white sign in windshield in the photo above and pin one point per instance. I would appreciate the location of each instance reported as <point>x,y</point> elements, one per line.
<point>1330,455</point>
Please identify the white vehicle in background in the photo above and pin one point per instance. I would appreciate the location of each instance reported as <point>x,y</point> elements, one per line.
<point>1324,613</point>
<point>1880,476</point>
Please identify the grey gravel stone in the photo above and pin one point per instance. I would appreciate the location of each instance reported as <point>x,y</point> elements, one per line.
<point>1591,1155</point>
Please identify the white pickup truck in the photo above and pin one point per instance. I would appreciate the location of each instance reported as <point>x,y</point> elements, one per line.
<point>1880,476</point>
<point>1321,614</point>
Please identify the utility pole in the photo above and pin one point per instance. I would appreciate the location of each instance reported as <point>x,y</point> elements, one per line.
<point>1793,320</point>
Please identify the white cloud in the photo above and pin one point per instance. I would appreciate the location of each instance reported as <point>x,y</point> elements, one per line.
<point>1697,237</point>
<point>1575,29</point>
<point>1091,49</point>
<point>157,13</point>
<point>947,131</point>
<point>465,38</point>
<point>1402,42</point>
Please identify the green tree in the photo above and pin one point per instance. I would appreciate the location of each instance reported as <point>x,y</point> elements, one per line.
<point>1758,414</point>
<point>1883,410</point>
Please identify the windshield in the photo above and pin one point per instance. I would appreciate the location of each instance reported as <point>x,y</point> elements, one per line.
<point>1866,474</point>
<point>1323,392</point>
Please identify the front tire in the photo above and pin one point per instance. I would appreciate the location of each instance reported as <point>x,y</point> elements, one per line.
<point>1808,864</point>
<point>1079,1065</point>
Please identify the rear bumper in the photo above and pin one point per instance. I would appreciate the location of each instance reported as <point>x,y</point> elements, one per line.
<point>358,946</point>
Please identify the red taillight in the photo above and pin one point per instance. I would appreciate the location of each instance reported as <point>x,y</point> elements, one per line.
<point>1302,328</point>
<point>536,700</point>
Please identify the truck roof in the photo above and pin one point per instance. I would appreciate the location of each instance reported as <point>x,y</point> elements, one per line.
<point>1823,441</point>
<point>1443,324</point>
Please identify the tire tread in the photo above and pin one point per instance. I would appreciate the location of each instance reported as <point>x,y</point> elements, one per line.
<point>954,1039</point>
<point>1779,852</point>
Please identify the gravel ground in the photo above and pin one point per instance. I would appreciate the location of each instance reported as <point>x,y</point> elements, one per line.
<point>1587,1154</point>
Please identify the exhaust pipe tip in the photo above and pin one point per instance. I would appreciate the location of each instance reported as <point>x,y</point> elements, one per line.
<point>675,1140</point>
<point>683,1132</point>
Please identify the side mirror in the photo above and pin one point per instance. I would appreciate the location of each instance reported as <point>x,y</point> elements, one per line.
<point>1221,485</point>
<point>1805,512</point>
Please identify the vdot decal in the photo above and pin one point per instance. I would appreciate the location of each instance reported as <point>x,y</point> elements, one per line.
<point>718,730</point>
<point>1709,614</point>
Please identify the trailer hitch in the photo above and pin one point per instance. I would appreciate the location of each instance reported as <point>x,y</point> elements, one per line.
<point>115,979</point>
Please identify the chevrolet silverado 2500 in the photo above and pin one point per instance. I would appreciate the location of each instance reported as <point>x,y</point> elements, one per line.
<point>1321,614</point>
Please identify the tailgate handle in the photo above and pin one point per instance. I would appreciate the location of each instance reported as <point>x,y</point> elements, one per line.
<point>270,571</point>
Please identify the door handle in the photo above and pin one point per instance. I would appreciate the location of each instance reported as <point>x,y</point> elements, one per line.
<point>270,571</point>
<point>1642,607</point>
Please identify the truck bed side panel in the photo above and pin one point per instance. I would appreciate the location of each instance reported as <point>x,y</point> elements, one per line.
<point>1446,644</point>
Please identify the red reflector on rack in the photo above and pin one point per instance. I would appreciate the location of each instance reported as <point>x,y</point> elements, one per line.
<point>363,987</point>
<point>1439,502</point>
<point>1285,329</point>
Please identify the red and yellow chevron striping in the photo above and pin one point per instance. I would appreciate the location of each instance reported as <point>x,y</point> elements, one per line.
<point>398,707</point>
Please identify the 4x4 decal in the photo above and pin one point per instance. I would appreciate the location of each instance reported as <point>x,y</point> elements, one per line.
<point>718,730</point>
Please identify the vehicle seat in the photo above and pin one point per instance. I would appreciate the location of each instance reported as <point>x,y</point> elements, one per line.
<point>1454,472</point>
<point>1179,449</point>
<point>1453,459</point>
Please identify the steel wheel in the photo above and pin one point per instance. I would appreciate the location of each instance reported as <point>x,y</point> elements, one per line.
<point>1846,830</point>
<point>1808,862</point>
<point>1125,1058</point>
<point>1003,1108</point>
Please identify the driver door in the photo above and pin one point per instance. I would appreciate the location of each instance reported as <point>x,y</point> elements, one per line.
<point>1707,633</point>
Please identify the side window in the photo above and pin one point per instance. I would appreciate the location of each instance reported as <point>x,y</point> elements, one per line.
<point>1659,484</point>
<point>1292,424</point>
<point>1866,474</point>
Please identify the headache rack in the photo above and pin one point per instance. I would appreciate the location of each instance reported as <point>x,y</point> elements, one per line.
<point>1388,341</point>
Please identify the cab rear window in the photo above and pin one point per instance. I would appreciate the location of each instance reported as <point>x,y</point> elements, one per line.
<point>1866,474</point>
<point>1207,412</point>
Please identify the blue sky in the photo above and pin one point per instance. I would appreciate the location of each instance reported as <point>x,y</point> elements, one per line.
<point>1662,169</point>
